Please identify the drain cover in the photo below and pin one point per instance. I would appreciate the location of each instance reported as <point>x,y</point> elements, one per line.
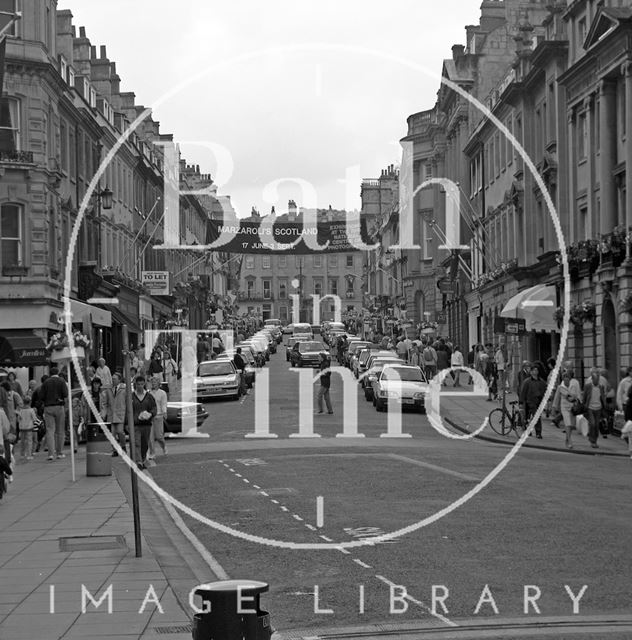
<point>186,628</point>
<point>92,543</point>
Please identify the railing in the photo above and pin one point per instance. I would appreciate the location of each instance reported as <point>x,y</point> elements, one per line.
<point>254,295</point>
<point>23,157</point>
<point>420,121</point>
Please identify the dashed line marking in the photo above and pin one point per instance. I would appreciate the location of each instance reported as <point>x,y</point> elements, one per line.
<point>284,508</point>
<point>246,480</point>
<point>297,518</point>
<point>256,486</point>
<point>362,564</point>
<point>231,469</point>
<point>326,539</point>
<point>263,493</point>
<point>273,501</point>
<point>343,550</point>
<point>238,475</point>
<point>310,526</point>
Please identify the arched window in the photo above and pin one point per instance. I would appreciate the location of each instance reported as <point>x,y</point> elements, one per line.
<point>11,234</point>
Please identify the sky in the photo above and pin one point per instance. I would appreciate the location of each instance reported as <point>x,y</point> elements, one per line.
<point>283,99</point>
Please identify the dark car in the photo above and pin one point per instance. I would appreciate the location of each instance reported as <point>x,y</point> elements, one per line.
<point>306,353</point>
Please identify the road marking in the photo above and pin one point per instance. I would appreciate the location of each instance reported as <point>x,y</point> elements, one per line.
<point>310,526</point>
<point>320,512</point>
<point>274,501</point>
<point>284,508</point>
<point>343,550</point>
<point>362,564</point>
<point>297,518</point>
<point>256,486</point>
<point>238,475</point>
<point>418,602</point>
<point>263,493</point>
<point>231,469</point>
<point>246,480</point>
<point>434,467</point>
<point>326,539</point>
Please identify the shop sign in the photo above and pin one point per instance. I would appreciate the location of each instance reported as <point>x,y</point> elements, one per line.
<point>156,282</point>
<point>511,326</point>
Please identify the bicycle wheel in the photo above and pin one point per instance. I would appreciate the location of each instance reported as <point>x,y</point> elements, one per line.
<point>500,422</point>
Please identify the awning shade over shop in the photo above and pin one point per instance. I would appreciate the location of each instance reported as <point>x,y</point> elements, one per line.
<point>123,319</point>
<point>535,305</point>
<point>81,310</point>
<point>22,348</point>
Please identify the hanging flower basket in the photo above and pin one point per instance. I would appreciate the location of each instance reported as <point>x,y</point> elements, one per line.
<point>59,346</point>
<point>61,355</point>
<point>584,312</point>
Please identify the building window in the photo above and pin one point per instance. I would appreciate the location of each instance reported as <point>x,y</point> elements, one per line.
<point>582,136</point>
<point>283,290</point>
<point>9,7</point>
<point>9,125</point>
<point>267,289</point>
<point>11,234</point>
<point>250,286</point>
<point>318,287</point>
<point>265,262</point>
<point>333,261</point>
<point>350,261</point>
<point>63,134</point>
<point>250,262</point>
<point>581,32</point>
<point>318,262</point>
<point>71,77</point>
<point>283,314</point>
<point>428,172</point>
<point>63,68</point>
<point>333,286</point>
<point>283,262</point>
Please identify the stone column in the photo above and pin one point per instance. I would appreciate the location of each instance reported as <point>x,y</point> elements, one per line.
<point>572,172</point>
<point>627,72</point>
<point>608,131</point>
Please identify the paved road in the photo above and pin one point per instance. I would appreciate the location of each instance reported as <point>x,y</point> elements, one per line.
<point>550,520</point>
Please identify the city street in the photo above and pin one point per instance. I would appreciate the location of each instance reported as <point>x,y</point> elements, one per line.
<point>549,520</point>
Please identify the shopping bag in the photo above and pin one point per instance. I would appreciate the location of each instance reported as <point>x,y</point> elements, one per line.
<point>582,425</point>
<point>627,428</point>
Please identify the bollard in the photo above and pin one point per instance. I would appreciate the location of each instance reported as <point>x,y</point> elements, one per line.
<point>98,451</point>
<point>231,611</point>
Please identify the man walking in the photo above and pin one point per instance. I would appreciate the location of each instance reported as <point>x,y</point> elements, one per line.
<point>456,362</point>
<point>240,365</point>
<point>325,383</point>
<point>53,395</point>
<point>144,409</point>
<point>158,423</point>
<point>531,394</point>
<point>594,399</point>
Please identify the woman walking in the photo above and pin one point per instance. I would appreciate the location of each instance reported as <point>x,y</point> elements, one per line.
<point>568,392</point>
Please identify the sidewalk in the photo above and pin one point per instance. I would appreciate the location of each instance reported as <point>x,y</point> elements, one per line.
<point>467,415</point>
<point>42,508</point>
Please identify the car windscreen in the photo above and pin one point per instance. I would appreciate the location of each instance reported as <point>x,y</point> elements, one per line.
<point>215,369</point>
<point>399,373</point>
<point>309,347</point>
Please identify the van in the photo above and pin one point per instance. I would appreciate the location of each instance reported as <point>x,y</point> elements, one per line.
<point>303,328</point>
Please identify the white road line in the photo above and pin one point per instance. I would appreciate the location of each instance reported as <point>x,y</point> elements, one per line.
<point>238,475</point>
<point>326,539</point>
<point>434,467</point>
<point>256,486</point>
<point>263,493</point>
<point>246,480</point>
<point>362,564</point>
<point>297,518</point>
<point>418,602</point>
<point>311,526</point>
<point>320,511</point>
<point>343,550</point>
<point>231,469</point>
<point>273,501</point>
<point>284,508</point>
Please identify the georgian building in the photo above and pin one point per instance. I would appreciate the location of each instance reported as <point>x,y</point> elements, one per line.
<point>267,281</point>
<point>61,113</point>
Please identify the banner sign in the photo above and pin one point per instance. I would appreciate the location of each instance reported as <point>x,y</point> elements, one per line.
<point>512,326</point>
<point>257,237</point>
<point>157,282</point>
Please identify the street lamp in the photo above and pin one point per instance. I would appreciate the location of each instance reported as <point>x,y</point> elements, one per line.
<point>104,201</point>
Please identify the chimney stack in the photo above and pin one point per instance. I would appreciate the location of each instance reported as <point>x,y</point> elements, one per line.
<point>103,55</point>
<point>457,51</point>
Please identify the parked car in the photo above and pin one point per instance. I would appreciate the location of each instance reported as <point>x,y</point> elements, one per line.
<point>250,370</point>
<point>275,330</point>
<point>404,385</point>
<point>306,353</point>
<point>303,328</point>
<point>370,377</point>
<point>177,411</point>
<point>216,379</point>
<point>365,355</point>
<point>375,360</point>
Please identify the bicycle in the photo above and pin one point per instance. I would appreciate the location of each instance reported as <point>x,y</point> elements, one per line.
<point>503,422</point>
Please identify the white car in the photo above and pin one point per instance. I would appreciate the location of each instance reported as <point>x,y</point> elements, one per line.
<point>402,385</point>
<point>216,379</point>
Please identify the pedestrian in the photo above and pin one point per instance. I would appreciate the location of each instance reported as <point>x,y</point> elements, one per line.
<point>142,359</point>
<point>623,388</point>
<point>402,349</point>
<point>500,360</point>
<point>27,418</point>
<point>567,394</point>
<point>532,391</point>
<point>429,359</point>
<point>325,383</point>
<point>627,415</point>
<point>157,433</point>
<point>104,374</point>
<point>456,361</point>
<point>471,358</point>
<point>491,373</point>
<point>216,344</point>
<point>14,383</point>
<point>170,371</point>
<point>119,411</point>
<point>38,404</point>
<point>144,410</point>
<point>155,366</point>
<point>415,356</point>
<point>54,395</point>
<point>240,364</point>
<point>31,389</point>
<point>594,399</point>
<point>524,373</point>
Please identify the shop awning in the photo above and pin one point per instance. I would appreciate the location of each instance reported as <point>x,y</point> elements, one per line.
<point>535,305</point>
<point>121,318</point>
<point>22,348</point>
<point>81,310</point>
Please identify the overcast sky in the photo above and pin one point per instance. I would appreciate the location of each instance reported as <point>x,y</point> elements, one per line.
<point>337,98</point>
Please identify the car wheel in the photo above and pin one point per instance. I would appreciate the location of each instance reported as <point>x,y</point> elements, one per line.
<point>380,406</point>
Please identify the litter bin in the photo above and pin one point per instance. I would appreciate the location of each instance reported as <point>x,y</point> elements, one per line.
<point>231,611</point>
<point>98,451</point>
